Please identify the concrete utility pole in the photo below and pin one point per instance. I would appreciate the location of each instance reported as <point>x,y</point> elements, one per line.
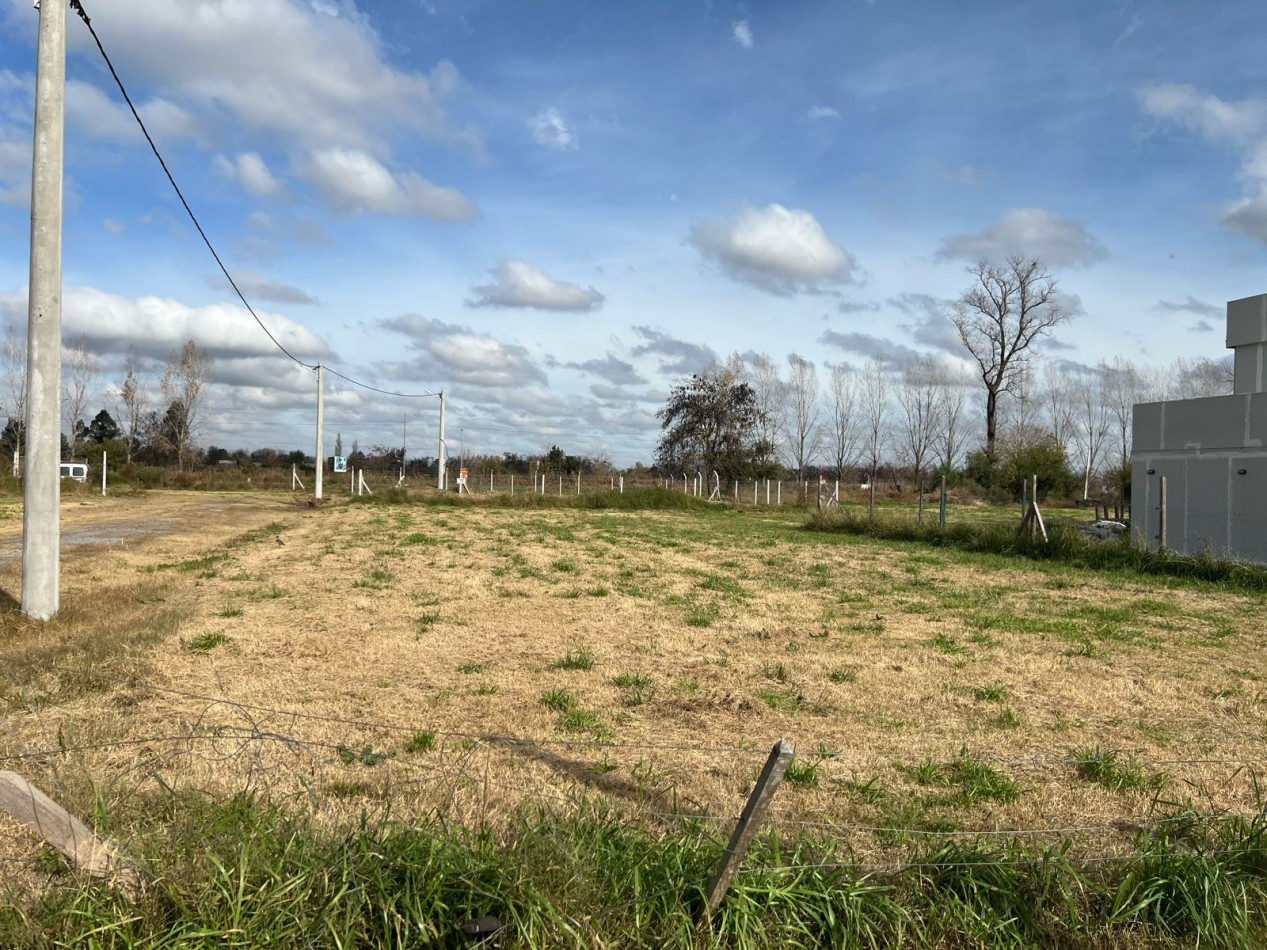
<point>41,489</point>
<point>321,419</point>
<point>440,473</point>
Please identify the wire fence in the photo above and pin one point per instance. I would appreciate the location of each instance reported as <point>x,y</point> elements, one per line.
<point>220,746</point>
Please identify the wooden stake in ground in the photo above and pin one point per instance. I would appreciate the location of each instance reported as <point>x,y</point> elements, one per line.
<point>83,848</point>
<point>762,794</point>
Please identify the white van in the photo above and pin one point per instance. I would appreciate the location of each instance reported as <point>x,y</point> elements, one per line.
<point>76,470</point>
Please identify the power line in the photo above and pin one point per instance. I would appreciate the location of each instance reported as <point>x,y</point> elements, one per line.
<point>77,6</point>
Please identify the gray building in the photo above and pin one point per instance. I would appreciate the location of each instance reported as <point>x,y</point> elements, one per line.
<point>1212,453</point>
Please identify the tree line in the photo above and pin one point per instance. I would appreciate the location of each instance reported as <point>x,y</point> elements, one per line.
<point>995,416</point>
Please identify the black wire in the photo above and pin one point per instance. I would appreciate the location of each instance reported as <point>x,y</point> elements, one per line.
<point>78,8</point>
<point>374,389</point>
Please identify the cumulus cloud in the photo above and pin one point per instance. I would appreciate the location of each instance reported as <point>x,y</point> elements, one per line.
<point>822,112</point>
<point>325,83</point>
<point>451,352</point>
<point>257,287</point>
<point>615,371</point>
<point>520,284</point>
<point>779,250</point>
<point>549,129</point>
<point>354,181</point>
<point>741,32</point>
<point>91,112</point>
<point>251,172</point>
<point>677,357</point>
<point>1030,232</point>
<point>155,325</point>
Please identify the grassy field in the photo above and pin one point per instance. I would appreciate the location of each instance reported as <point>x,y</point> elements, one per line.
<point>478,663</point>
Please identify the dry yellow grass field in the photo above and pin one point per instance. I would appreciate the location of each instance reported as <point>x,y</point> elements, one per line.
<point>469,659</point>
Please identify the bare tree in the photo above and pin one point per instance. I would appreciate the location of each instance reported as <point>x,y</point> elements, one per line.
<point>134,402</point>
<point>844,418</point>
<point>1056,391</point>
<point>78,380</point>
<point>1200,378</point>
<point>1122,385</point>
<point>952,399</point>
<point>1091,424</point>
<point>999,319</point>
<point>803,431</point>
<point>184,384</point>
<point>1021,425</point>
<point>919,422</point>
<point>873,405</point>
<point>768,390</point>
<point>13,366</point>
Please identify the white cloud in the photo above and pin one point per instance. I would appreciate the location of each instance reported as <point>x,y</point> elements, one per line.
<point>112,227</point>
<point>551,130</point>
<point>1031,232</point>
<point>780,250</point>
<point>741,32</point>
<point>1209,115</point>
<point>354,181</point>
<point>279,66</point>
<point>91,112</point>
<point>822,112</point>
<point>251,172</point>
<point>452,352</point>
<point>520,284</point>
<point>156,325</point>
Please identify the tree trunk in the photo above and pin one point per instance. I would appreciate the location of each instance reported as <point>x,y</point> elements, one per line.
<point>991,420</point>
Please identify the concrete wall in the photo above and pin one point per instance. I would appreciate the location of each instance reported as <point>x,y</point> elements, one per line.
<point>1213,454</point>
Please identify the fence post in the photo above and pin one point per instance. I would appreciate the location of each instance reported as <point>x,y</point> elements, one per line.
<point>103,474</point>
<point>1161,513</point>
<point>746,829</point>
<point>942,514</point>
<point>622,484</point>
<point>780,493</point>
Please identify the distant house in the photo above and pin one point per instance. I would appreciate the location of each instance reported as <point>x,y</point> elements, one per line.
<point>1212,453</point>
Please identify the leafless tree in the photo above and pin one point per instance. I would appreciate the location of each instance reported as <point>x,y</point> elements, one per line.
<point>1021,424</point>
<point>1201,377</point>
<point>803,430</point>
<point>844,418</point>
<point>78,379</point>
<point>1056,391</point>
<point>1122,385</point>
<point>873,406</point>
<point>952,399</point>
<point>920,418</point>
<point>184,384</point>
<point>999,318</point>
<point>761,373</point>
<point>1092,423</point>
<point>133,402</point>
<point>13,366</point>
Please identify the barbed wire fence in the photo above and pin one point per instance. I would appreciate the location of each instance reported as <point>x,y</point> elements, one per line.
<point>219,746</point>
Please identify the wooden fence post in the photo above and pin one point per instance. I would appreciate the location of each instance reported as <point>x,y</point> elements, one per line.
<point>746,829</point>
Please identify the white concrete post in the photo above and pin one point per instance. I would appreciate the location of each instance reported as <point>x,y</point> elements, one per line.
<point>321,446</point>
<point>441,474</point>
<point>103,474</point>
<point>622,484</point>
<point>41,489</point>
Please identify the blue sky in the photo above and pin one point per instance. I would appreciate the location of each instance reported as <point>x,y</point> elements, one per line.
<point>553,210</point>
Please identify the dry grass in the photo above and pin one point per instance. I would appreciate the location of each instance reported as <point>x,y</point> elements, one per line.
<point>311,669</point>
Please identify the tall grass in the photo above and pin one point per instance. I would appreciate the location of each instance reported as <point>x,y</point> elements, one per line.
<point>1065,544</point>
<point>242,873</point>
